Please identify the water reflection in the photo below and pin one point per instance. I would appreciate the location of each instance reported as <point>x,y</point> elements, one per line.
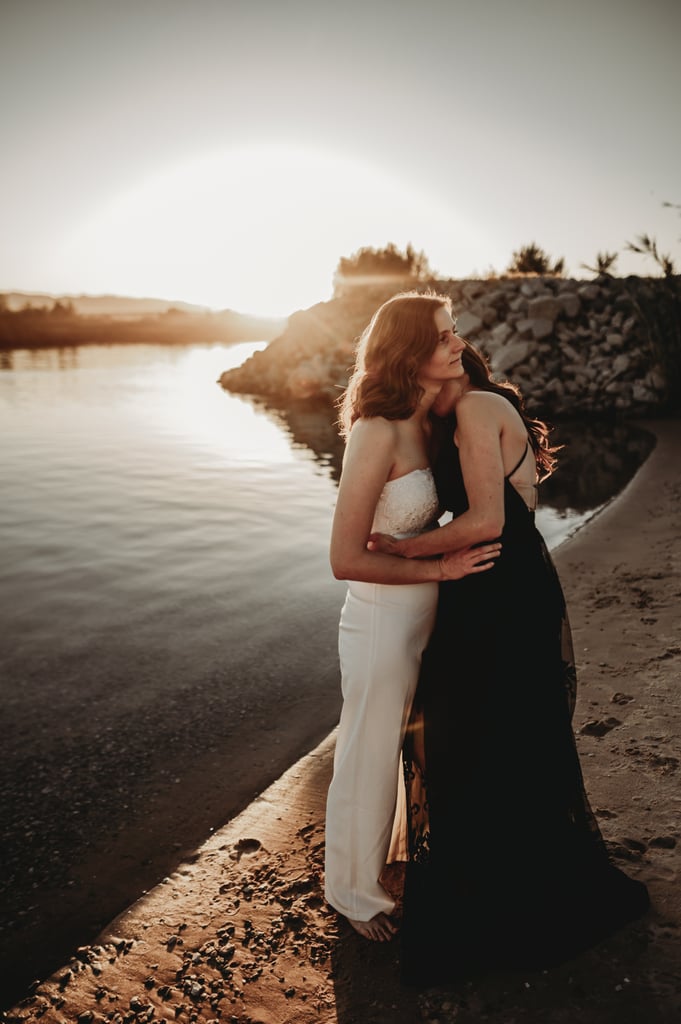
<point>206,357</point>
<point>65,358</point>
<point>311,425</point>
<point>597,462</point>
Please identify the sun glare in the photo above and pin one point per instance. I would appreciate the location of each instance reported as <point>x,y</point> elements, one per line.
<point>193,410</point>
<point>259,229</point>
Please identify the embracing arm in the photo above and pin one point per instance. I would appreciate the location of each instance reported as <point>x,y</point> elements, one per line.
<point>479,441</point>
<point>367,464</point>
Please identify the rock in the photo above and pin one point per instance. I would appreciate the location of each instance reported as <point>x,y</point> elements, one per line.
<point>570,353</point>
<point>643,395</point>
<point>621,364</point>
<point>501,333</point>
<point>544,308</point>
<point>511,355</point>
<point>599,728</point>
<point>655,379</point>
<point>554,386</point>
<point>535,327</point>
<point>570,304</point>
<point>663,842</point>
<point>468,325</point>
<point>559,333</point>
<point>589,292</point>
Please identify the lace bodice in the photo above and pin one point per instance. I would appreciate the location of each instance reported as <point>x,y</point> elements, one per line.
<point>408,505</point>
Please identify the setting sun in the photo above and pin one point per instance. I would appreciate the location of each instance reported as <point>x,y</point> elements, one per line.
<point>259,229</point>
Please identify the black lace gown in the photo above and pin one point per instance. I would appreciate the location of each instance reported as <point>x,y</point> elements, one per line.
<point>507,867</point>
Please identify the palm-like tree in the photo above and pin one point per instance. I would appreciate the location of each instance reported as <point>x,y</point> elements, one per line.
<point>605,262</point>
<point>531,259</point>
<point>647,246</point>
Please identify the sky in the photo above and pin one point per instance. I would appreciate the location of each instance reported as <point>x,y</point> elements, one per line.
<point>230,152</point>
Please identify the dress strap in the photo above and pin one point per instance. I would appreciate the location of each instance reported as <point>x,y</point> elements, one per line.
<point>519,463</point>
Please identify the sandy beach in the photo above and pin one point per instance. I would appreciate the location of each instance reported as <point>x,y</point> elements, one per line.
<point>240,932</point>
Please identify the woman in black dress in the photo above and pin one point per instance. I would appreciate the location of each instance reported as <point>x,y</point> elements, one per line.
<point>507,866</point>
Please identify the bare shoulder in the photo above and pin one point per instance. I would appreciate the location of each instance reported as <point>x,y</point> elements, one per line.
<point>371,440</point>
<point>481,406</point>
<point>374,430</point>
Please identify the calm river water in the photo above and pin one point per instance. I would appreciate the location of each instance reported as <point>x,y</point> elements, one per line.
<point>167,614</point>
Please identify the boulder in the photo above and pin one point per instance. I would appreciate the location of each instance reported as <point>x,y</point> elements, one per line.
<point>504,359</point>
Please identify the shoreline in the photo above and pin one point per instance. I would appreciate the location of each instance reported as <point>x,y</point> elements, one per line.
<point>240,931</point>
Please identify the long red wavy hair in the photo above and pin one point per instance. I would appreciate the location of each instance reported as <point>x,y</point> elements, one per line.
<point>400,338</point>
<point>479,374</point>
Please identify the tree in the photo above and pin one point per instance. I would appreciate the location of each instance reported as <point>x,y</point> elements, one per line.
<point>389,261</point>
<point>605,262</point>
<point>63,307</point>
<point>531,259</point>
<point>647,246</point>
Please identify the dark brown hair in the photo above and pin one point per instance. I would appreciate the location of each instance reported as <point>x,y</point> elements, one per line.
<point>400,338</point>
<point>480,376</point>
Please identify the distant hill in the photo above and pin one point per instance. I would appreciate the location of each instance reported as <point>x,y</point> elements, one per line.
<point>99,305</point>
<point>34,319</point>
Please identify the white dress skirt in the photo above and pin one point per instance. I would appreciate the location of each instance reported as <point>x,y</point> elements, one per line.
<point>383,632</point>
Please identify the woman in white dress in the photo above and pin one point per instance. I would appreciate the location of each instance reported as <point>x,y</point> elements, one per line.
<point>403,360</point>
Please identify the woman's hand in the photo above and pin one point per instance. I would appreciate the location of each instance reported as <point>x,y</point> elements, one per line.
<point>457,564</point>
<point>386,545</point>
<point>454,565</point>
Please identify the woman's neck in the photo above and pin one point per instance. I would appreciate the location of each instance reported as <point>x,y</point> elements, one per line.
<point>449,395</point>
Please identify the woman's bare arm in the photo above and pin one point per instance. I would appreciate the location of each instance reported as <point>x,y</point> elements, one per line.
<point>479,441</point>
<point>368,461</point>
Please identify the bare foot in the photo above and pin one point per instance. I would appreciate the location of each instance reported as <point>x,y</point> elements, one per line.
<point>380,928</point>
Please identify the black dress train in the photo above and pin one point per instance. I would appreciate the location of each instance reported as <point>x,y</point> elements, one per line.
<point>507,867</point>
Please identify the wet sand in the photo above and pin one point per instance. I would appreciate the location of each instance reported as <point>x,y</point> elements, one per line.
<point>240,931</point>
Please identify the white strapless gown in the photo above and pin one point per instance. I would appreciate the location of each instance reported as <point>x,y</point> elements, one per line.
<point>383,632</point>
